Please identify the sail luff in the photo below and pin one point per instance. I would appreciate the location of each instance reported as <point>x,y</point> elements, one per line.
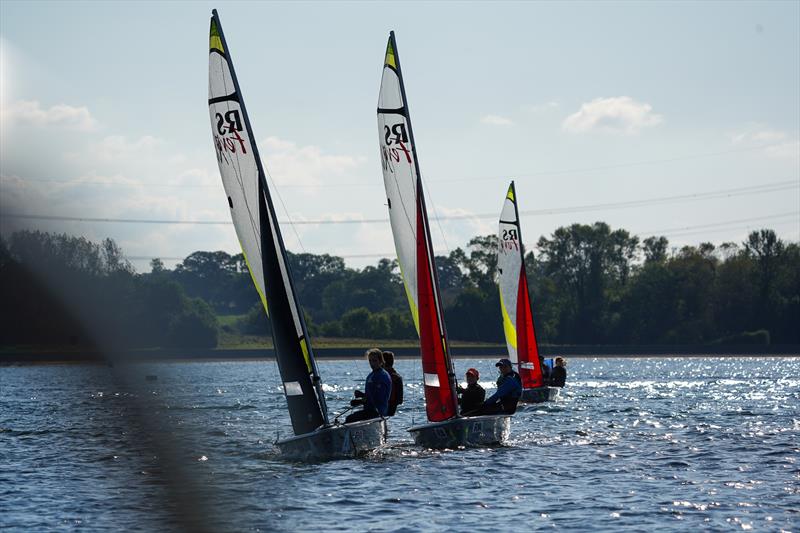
<point>408,215</point>
<point>244,178</point>
<point>428,241</point>
<point>514,296</point>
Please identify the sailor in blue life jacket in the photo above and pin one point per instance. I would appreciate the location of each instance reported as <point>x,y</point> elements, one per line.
<point>377,389</point>
<point>509,390</point>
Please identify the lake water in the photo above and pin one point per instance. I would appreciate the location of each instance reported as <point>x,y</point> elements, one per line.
<point>632,444</point>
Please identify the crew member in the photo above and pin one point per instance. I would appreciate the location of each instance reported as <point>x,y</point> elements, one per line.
<point>559,375</point>
<point>509,389</point>
<point>473,396</point>
<point>396,396</point>
<point>546,372</point>
<point>377,389</point>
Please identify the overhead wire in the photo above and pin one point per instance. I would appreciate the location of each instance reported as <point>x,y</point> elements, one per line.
<point>721,193</point>
<point>498,176</point>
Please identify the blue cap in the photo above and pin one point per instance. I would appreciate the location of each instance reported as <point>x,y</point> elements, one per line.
<point>503,362</point>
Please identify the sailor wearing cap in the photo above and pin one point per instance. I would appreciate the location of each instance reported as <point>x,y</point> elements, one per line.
<point>509,390</point>
<point>472,397</point>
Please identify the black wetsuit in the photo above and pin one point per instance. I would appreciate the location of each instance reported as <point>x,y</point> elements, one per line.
<point>559,377</point>
<point>396,396</point>
<point>471,398</point>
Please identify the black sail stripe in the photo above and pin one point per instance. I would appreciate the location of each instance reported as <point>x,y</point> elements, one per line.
<point>397,111</point>
<point>233,97</point>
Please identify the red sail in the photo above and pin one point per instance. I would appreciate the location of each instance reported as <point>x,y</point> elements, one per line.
<point>527,350</point>
<point>439,401</point>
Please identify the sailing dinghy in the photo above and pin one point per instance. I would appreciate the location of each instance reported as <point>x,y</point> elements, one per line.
<point>515,305</point>
<point>409,220</point>
<point>254,218</point>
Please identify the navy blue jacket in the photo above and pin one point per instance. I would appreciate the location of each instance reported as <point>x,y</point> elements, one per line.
<point>377,391</point>
<point>508,387</point>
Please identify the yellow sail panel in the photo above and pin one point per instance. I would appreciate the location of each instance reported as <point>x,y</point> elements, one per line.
<point>216,42</point>
<point>508,326</point>
<point>304,347</point>
<point>390,61</point>
<point>255,282</point>
<point>411,303</point>
<point>510,194</point>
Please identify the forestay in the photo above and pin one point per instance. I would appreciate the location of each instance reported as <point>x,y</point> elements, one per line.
<point>260,236</point>
<point>515,303</point>
<point>409,222</point>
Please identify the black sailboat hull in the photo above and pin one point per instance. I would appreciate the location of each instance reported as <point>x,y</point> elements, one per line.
<point>540,394</point>
<point>341,441</point>
<point>463,432</point>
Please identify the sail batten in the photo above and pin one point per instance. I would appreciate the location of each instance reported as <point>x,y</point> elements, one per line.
<point>260,237</point>
<point>409,221</point>
<point>515,303</point>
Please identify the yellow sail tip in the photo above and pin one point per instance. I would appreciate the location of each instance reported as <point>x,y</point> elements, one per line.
<point>390,59</point>
<point>510,194</point>
<point>215,40</point>
<point>304,348</point>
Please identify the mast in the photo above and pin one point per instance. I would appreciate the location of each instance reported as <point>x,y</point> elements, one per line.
<point>259,234</point>
<point>409,218</point>
<point>515,302</point>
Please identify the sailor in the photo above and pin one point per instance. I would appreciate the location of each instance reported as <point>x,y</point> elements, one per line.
<point>473,396</point>
<point>509,389</point>
<point>559,375</point>
<point>396,396</point>
<point>546,372</point>
<point>377,389</point>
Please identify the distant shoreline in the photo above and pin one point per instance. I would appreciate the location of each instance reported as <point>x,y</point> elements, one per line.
<point>43,356</point>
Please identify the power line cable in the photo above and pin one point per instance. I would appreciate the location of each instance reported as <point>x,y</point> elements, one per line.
<point>685,230</point>
<point>498,176</point>
<point>722,193</point>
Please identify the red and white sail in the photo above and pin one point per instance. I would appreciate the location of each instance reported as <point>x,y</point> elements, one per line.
<point>515,302</point>
<point>409,221</point>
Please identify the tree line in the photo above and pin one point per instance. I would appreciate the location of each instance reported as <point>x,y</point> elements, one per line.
<point>589,284</point>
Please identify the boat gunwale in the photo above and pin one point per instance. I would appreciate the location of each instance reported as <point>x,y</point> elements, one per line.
<point>331,428</point>
<point>465,419</point>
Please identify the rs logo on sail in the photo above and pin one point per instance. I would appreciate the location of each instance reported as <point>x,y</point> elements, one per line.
<point>510,240</point>
<point>228,137</point>
<point>396,135</point>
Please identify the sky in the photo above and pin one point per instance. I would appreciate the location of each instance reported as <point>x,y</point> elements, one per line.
<point>678,119</point>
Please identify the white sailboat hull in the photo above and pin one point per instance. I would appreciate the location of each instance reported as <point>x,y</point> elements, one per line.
<point>341,441</point>
<point>467,431</point>
<point>540,394</point>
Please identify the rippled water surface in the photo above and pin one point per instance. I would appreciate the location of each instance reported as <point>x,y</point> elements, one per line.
<point>632,444</point>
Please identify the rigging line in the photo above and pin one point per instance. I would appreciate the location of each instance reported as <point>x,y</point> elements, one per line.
<point>280,198</point>
<point>436,217</point>
<point>757,189</point>
<point>237,170</point>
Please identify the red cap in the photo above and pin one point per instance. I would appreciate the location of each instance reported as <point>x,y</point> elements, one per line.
<point>474,372</point>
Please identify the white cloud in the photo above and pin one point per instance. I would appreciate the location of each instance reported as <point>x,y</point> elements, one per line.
<point>115,147</point>
<point>61,115</point>
<point>776,143</point>
<point>784,150</point>
<point>496,120</point>
<point>307,166</point>
<point>621,114</point>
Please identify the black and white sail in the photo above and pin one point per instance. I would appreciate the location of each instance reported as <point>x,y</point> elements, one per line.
<point>260,237</point>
